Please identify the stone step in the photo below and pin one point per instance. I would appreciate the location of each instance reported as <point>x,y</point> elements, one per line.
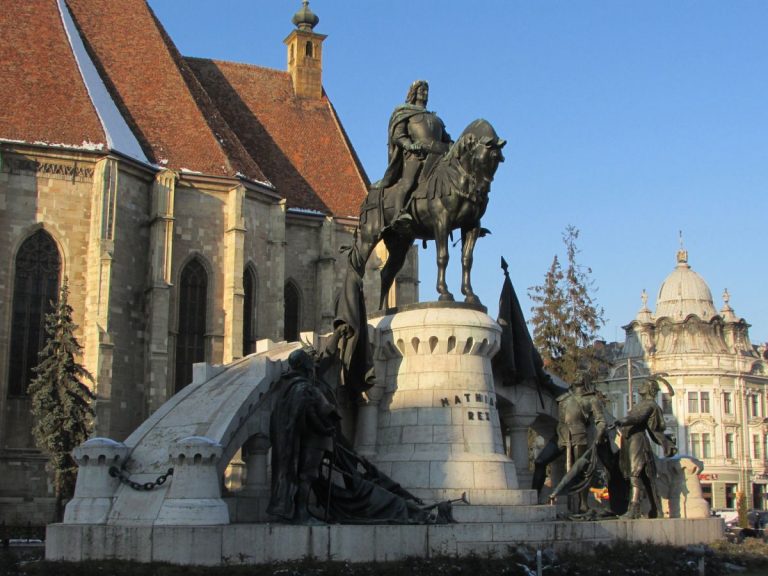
<point>479,497</point>
<point>499,514</point>
<point>266,543</point>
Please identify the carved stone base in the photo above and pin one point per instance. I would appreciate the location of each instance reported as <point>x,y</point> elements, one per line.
<point>438,423</point>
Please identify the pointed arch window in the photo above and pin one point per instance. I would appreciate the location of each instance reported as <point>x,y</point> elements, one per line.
<point>291,317</point>
<point>190,340</point>
<point>35,292</point>
<point>249,311</point>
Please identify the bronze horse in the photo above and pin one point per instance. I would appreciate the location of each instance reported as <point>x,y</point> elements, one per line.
<point>454,195</point>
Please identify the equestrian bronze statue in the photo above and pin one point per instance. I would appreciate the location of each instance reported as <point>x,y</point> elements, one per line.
<point>432,186</point>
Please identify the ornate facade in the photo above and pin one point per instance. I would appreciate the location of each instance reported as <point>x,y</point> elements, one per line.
<point>195,206</point>
<point>718,411</point>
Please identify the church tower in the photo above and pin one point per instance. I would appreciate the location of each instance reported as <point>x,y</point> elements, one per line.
<point>305,54</point>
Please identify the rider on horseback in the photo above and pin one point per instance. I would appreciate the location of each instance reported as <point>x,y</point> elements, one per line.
<point>417,140</point>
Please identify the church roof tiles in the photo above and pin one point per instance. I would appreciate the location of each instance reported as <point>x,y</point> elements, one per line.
<point>299,142</point>
<point>42,94</point>
<point>217,118</point>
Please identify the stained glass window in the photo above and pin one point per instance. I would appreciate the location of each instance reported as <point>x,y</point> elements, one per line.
<point>35,290</point>
<point>190,340</point>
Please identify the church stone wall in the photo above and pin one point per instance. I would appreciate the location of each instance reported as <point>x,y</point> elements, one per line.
<point>35,192</point>
<point>127,318</point>
<point>200,217</point>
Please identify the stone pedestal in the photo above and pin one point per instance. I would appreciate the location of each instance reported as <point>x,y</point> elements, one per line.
<point>95,488</point>
<point>438,431</point>
<point>194,497</point>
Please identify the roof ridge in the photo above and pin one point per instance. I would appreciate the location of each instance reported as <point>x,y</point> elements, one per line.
<point>242,65</point>
<point>198,93</point>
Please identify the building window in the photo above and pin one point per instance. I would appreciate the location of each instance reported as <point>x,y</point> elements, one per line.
<point>308,49</point>
<point>292,312</point>
<point>35,289</point>
<point>730,495</point>
<point>693,402</point>
<point>765,445</point>
<point>727,406</point>
<point>190,340</point>
<point>706,492</point>
<point>754,405</point>
<point>759,497</point>
<point>694,440</point>
<point>729,446</point>
<point>706,446</point>
<point>666,403</point>
<point>757,442</point>
<point>249,312</point>
<point>705,402</point>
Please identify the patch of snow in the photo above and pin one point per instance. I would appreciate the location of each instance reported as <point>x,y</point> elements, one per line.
<point>11,141</point>
<point>119,135</point>
<point>92,146</point>
<point>188,171</point>
<point>163,161</point>
<point>86,145</point>
<point>266,183</point>
<point>306,211</point>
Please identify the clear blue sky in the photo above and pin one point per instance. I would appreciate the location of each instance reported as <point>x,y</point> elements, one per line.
<point>629,120</point>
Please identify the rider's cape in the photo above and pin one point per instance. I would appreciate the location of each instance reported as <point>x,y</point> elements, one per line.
<point>402,113</point>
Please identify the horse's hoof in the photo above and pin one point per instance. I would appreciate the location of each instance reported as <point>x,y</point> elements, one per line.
<point>472,299</point>
<point>447,297</point>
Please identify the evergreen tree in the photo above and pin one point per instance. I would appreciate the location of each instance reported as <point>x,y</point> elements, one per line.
<point>566,319</point>
<point>549,317</point>
<point>61,403</point>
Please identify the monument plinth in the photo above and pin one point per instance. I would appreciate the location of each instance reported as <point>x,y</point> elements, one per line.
<point>438,429</point>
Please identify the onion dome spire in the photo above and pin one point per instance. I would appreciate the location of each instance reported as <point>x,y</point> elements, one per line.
<point>305,19</point>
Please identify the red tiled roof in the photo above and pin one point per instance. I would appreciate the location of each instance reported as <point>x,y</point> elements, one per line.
<point>298,142</point>
<point>42,95</point>
<point>159,97</point>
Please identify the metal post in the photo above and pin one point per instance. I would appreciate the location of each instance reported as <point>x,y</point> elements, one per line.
<point>629,384</point>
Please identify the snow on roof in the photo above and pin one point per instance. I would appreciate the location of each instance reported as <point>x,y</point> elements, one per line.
<point>119,135</point>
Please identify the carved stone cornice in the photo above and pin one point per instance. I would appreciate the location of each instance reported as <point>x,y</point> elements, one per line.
<point>74,171</point>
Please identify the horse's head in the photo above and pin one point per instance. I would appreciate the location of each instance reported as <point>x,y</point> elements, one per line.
<point>478,150</point>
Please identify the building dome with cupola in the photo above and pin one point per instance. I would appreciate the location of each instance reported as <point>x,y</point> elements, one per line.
<point>716,405</point>
<point>684,293</point>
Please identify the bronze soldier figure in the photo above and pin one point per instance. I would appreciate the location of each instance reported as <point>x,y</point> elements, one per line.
<point>577,409</point>
<point>301,430</point>
<point>637,460</point>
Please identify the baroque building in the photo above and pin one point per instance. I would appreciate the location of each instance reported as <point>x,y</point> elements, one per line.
<point>718,410</point>
<point>196,207</point>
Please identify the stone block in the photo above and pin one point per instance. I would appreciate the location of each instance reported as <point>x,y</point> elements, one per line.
<point>398,542</point>
<point>484,549</point>
<point>411,474</point>
<point>391,435</point>
<point>435,416</point>
<point>283,542</point>
<point>403,417</point>
<point>351,543</point>
<point>458,475</point>
<point>193,545</point>
<point>448,434</point>
<point>119,542</point>
<point>432,451</point>
<point>510,469</point>
<point>418,398</point>
<point>64,542</point>
<point>244,544</point>
<point>490,475</point>
<point>417,434</point>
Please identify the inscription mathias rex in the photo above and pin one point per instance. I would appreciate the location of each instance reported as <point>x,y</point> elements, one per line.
<point>471,398</point>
